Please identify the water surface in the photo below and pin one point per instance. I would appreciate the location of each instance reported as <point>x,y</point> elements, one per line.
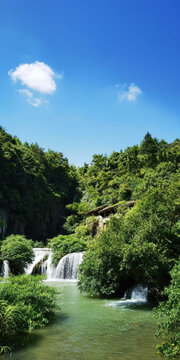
<point>93,329</point>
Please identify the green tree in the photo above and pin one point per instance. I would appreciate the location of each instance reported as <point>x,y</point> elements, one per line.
<point>149,147</point>
<point>18,251</point>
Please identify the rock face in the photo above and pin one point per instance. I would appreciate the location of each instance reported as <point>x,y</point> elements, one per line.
<point>47,223</point>
<point>3,223</point>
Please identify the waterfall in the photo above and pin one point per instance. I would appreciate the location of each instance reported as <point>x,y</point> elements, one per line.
<point>39,255</point>
<point>138,296</point>
<point>67,267</point>
<point>50,268</point>
<point>44,267</point>
<point>5,268</point>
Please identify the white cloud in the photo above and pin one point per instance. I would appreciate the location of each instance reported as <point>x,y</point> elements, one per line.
<point>34,101</point>
<point>129,93</point>
<point>37,76</point>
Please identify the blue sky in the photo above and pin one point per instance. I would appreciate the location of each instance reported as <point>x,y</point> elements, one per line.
<point>90,76</point>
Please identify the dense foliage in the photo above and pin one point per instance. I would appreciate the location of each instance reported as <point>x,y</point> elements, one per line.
<point>65,244</point>
<point>12,326</point>
<point>35,187</point>
<point>108,180</point>
<point>18,251</point>
<point>169,314</point>
<point>139,244</point>
<point>26,303</point>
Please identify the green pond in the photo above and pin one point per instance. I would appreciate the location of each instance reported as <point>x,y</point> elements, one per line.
<point>96,329</point>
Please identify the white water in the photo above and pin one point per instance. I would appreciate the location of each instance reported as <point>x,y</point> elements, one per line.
<point>44,267</point>
<point>138,297</point>
<point>5,268</point>
<point>39,254</point>
<point>139,294</point>
<point>50,268</point>
<point>67,267</point>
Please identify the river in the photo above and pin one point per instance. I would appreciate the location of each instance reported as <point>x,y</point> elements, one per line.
<point>93,329</point>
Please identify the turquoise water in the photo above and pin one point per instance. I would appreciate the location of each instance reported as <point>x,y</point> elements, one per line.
<point>94,329</point>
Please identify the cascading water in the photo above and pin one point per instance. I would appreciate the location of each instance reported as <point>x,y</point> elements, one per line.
<point>50,269</point>
<point>139,294</point>
<point>44,267</point>
<point>39,255</point>
<point>67,267</point>
<point>6,269</point>
<point>138,297</point>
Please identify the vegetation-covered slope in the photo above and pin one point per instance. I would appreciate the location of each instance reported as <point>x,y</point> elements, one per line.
<point>35,187</point>
<point>139,244</point>
<point>108,180</point>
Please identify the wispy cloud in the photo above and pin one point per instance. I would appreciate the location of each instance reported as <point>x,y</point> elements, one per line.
<point>34,101</point>
<point>129,93</point>
<point>38,77</point>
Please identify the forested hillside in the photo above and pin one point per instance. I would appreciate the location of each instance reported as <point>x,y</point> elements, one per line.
<point>139,244</point>
<point>35,187</point>
<point>122,175</point>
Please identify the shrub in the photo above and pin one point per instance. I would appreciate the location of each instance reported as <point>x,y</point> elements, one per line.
<point>169,314</point>
<point>38,244</point>
<point>82,233</point>
<point>26,304</point>
<point>18,251</point>
<point>71,223</point>
<point>12,326</point>
<point>92,224</point>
